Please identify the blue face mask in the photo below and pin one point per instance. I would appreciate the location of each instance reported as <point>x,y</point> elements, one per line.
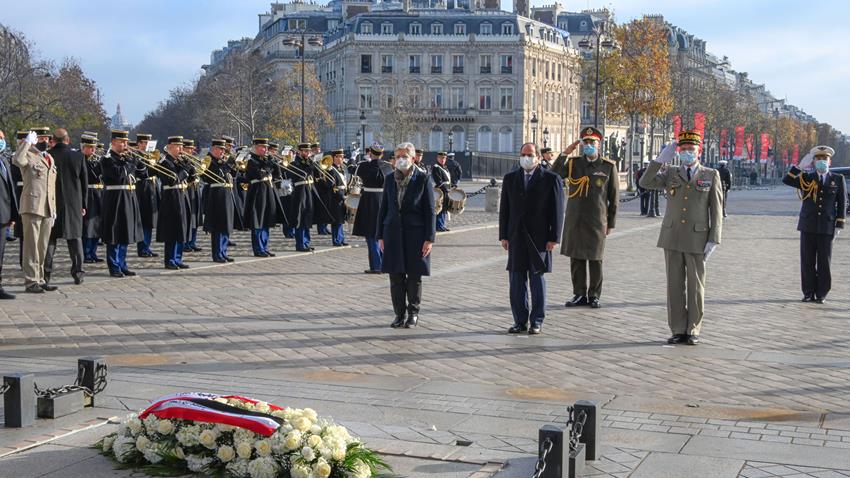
<point>589,150</point>
<point>688,157</point>
<point>2,144</point>
<point>822,165</point>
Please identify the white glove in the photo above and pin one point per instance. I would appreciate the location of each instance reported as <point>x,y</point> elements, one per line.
<point>31,138</point>
<point>667,154</point>
<point>709,250</point>
<point>806,162</point>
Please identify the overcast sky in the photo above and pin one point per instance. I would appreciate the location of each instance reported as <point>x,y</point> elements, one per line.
<point>138,50</point>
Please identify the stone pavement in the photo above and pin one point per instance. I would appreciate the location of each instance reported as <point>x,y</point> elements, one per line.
<point>763,395</point>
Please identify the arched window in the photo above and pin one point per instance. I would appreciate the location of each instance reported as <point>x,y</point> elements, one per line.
<point>458,138</point>
<point>506,139</point>
<point>435,142</point>
<point>485,139</point>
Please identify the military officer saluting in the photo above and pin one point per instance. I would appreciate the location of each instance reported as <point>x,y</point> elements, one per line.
<point>592,198</point>
<point>823,211</point>
<point>690,231</point>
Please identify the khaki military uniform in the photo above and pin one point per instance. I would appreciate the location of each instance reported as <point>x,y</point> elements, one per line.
<point>592,200</point>
<point>694,217</point>
<point>37,208</point>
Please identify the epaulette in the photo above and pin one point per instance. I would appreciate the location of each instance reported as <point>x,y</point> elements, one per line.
<point>610,161</point>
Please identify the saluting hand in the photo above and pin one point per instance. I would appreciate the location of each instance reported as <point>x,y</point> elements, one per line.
<point>426,248</point>
<point>572,147</point>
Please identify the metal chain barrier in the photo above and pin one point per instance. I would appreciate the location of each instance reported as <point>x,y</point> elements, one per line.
<point>476,193</point>
<point>99,384</point>
<point>5,388</point>
<point>540,466</point>
<point>575,422</point>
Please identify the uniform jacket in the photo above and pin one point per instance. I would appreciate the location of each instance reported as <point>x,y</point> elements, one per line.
<point>8,198</point>
<point>300,207</point>
<point>219,201</point>
<point>531,217</point>
<point>823,212</point>
<point>121,221</point>
<point>454,168</point>
<point>694,214</point>
<point>71,191</point>
<point>38,196</point>
<point>591,205</point>
<point>262,206</point>
<point>725,177</point>
<point>174,218</point>
<point>94,198</point>
<point>405,228</point>
<point>372,174</point>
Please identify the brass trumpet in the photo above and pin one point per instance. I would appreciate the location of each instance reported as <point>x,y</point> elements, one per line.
<point>152,162</point>
<point>202,167</point>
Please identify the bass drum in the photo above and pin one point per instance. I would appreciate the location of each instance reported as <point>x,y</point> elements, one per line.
<point>438,200</point>
<point>457,200</point>
<point>351,203</point>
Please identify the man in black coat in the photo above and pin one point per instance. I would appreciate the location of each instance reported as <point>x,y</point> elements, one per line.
<point>8,210</point>
<point>302,203</point>
<point>121,223</point>
<point>531,220</point>
<point>174,219</point>
<point>443,181</point>
<point>219,205</point>
<point>262,205</point>
<point>406,233</point>
<point>94,200</point>
<point>194,190</point>
<point>71,195</point>
<point>371,174</point>
<point>147,192</point>
<point>822,214</point>
<point>336,199</point>
<point>726,180</point>
<point>454,169</point>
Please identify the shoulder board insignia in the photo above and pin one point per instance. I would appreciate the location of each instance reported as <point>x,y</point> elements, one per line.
<point>610,161</point>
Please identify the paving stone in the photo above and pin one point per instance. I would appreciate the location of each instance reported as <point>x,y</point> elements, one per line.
<point>667,465</point>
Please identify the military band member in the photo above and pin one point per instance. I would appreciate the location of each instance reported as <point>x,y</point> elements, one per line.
<point>547,158</point>
<point>690,231</point>
<point>592,198</point>
<point>336,203</point>
<point>121,224</point>
<point>322,190</point>
<point>454,168</point>
<point>371,173</point>
<point>147,192</point>
<point>194,192</point>
<point>71,195</point>
<point>303,200</point>
<point>174,220</point>
<point>238,176</point>
<point>417,161</point>
<point>262,206</point>
<point>822,214</point>
<point>94,199</point>
<point>218,202</point>
<point>443,181</point>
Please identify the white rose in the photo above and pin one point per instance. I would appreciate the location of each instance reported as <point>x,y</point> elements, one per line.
<point>188,436</point>
<point>107,442</point>
<point>301,471</point>
<point>178,452</point>
<point>165,427</point>
<point>263,447</point>
<point>311,414</point>
<point>322,469</point>
<point>316,429</point>
<point>339,453</point>
<point>302,424</point>
<point>308,454</point>
<point>292,440</point>
<point>225,453</point>
<point>135,426</point>
<point>314,440</point>
<point>224,428</point>
<point>263,467</point>
<point>362,470</point>
<point>244,450</point>
<point>198,463</point>
<point>142,443</point>
<point>208,438</point>
<point>123,447</point>
<point>325,452</point>
<point>152,455</point>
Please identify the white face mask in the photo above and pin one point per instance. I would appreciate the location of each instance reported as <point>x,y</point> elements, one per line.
<point>527,162</point>
<point>403,163</point>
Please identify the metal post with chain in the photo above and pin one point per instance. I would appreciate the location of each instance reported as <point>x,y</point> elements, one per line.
<point>54,402</point>
<point>540,466</point>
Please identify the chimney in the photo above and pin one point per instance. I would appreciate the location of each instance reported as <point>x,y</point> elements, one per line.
<point>405,5</point>
<point>523,7</point>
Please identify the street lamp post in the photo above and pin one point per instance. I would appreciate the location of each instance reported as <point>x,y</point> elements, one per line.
<point>534,128</point>
<point>545,137</point>
<point>301,45</point>
<point>362,132</point>
<point>602,41</point>
<point>451,141</point>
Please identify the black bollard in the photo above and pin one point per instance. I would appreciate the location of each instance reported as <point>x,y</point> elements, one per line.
<point>592,428</point>
<point>89,366</point>
<point>555,467</point>
<point>19,400</point>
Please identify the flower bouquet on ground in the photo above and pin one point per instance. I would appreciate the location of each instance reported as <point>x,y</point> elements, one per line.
<point>233,436</point>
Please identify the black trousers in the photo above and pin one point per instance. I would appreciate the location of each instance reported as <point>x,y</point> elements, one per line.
<point>2,252</point>
<point>406,292</point>
<point>579,269</point>
<point>75,249</point>
<point>815,255</point>
<point>645,196</point>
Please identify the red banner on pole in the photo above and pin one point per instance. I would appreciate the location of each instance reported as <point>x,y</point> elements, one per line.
<point>739,142</point>
<point>795,156</point>
<point>724,143</point>
<point>699,124</point>
<point>677,126</point>
<point>751,150</point>
<point>765,145</point>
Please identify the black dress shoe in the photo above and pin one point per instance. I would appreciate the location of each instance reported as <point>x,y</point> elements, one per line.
<point>677,339</point>
<point>153,254</point>
<point>78,278</point>
<point>5,295</point>
<point>370,271</point>
<point>576,301</point>
<point>398,322</point>
<point>344,244</point>
<point>412,320</point>
<point>270,254</point>
<point>229,259</point>
<point>98,260</point>
<point>197,249</point>
<point>260,254</point>
<point>820,300</point>
<point>145,254</point>
<point>693,339</point>
<point>117,274</point>
<point>171,267</point>
<point>231,244</point>
<point>808,298</point>
<point>128,273</point>
<point>183,266</point>
<point>516,329</point>
<point>220,260</point>
<point>534,330</point>
<point>34,289</point>
<point>594,303</point>
<point>88,261</point>
<point>49,288</point>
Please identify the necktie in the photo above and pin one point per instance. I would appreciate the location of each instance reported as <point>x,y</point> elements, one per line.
<point>689,174</point>
<point>527,178</point>
<point>2,169</point>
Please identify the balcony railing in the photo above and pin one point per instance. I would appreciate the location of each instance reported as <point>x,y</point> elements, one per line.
<point>386,69</point>
<point>436,69</point>
<point>507,70</point>
<point>414,69</point>
<point>485,69</point>
<point>457,69</point>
